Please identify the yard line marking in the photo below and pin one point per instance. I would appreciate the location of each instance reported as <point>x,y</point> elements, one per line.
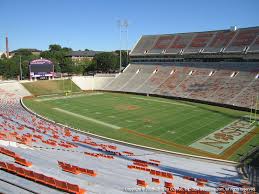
<point>66,97</point>
<point>175,103</point>
<point>87,118</point>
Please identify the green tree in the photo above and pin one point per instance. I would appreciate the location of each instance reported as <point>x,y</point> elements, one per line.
<point>23,52</point>
<point>3,56</point>
<point>106,61</point>
<point>55,47</point>
<point>124,57</point>
<point>57,55</point>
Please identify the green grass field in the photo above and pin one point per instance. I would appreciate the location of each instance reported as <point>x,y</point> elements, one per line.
<point>150,121</point>
<point>46,87</point>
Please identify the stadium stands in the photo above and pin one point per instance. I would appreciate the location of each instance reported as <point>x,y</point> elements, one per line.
<point>46,148</point>
<point>162,44</point>
<point>159,75</point>
<point>254,47</point>
<point>221,40</point>
<point>181,42</point>
<point>199,42</point>
<point>226,41</point>
<point>141,75</point>
<point>145,44</point>
<point>244,39</point>
<point>226,82</point>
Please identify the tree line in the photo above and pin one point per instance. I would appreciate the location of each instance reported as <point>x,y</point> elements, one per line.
<point>104,62</point>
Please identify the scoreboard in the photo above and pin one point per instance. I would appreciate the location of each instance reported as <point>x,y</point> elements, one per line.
<point>41,68</point>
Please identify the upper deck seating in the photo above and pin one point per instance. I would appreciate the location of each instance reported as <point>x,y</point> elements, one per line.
<point>162,44</point>
<point>144,44</point>
<point>243,39</point>
<point>181,42</point>
<point>199,42</point>
<point>220,41</point>
<point>254,46</point>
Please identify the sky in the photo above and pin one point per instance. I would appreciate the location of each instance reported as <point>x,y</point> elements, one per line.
<point>93,24</point>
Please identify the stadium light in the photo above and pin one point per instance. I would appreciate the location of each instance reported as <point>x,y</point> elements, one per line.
<point>123,27</point>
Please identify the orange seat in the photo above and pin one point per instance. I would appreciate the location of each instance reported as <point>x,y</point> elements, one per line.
<point>50,181</point>
<point>39,177</point>
<point>61,185</point>
<point>3,165</point>
<point>20,171</point>
<point>204,192</point>
<point>22,161</point>
<point>169,175</point>
<point>156,180</point>
<point>168,185</point>
<point>75,189</point>
<point>61,163</point>
<point>91,172</point>
<point>29,174</point>
<point>11,167</point>
<point>141,183</point>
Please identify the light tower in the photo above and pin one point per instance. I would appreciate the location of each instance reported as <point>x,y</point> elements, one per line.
<point>123,27</point>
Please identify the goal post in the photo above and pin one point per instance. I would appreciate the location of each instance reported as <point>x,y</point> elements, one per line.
<point>254,110</point>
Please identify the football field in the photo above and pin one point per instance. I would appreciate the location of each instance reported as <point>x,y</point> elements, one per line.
<point>150,121</point>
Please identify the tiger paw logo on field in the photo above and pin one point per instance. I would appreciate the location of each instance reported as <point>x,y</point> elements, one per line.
<point>223,136</point>
<point>220,140</point>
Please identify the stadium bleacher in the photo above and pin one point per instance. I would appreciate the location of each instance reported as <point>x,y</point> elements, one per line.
<point>221,40</point>
<point>225,82</point>
<point>160,66</point>
<point>227,41</point>
<point>145,44</point>
<point>199,42</point>
<point>254,47</point>
<point>37,155</point>
<point>162,43</point>
<point>243,39</point>
<point>181,42</point>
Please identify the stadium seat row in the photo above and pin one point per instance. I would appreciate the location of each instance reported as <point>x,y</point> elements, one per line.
<point>162,174</point>
<point>76,169</point>
<point>139,168</point>
<point>200,181</point>
<point>128,153</point>
<point>8,152</point>
<point>167,185</point>
<point>41,178</point>
<point>97,155</point>
<point>155,161</point>
<point>22,161</point>
<point>110,152</point>
<point>18,159</point>
<point>152,172</point>
<point>140,164</point>
<point>145,162</point>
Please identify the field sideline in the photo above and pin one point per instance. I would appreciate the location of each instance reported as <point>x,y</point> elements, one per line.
<point>156,122</point>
